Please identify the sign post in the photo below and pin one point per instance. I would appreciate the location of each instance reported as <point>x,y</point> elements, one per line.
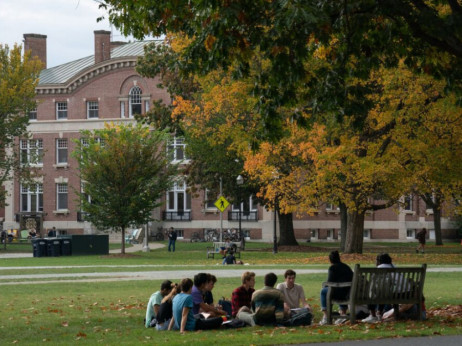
<point>221,204</point>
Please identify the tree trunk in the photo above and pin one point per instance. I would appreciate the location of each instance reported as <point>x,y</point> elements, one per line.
<point>343,225</point>
<point>437,224</point>
<point>286,227</point>
<point>122,249</point>
<point>355,232</point>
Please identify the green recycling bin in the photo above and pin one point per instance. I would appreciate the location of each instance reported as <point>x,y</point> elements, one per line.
<point>90,244</point>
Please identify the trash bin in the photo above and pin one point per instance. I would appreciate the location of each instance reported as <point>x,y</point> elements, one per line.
<point>66,246</point>
<point>54,247</point>
<point>39,247</point>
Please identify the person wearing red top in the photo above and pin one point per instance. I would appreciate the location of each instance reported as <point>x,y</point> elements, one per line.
<point>242,296</point>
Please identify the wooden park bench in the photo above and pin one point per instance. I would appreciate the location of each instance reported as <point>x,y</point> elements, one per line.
<point>215,249</point>
<point>392,286</point>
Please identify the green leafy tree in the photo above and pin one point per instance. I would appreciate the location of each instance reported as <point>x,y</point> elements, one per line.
<point>18,79</point>
<point>125,171</point>
<point>368,34</point>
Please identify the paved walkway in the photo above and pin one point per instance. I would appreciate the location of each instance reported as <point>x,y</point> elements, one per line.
<point>134,248</point>
<point>449,340</point>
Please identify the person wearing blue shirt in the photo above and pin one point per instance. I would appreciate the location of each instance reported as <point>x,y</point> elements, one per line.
<point>183,317</point>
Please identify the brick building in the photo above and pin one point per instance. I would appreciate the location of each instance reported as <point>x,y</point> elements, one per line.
<point>104,87</point>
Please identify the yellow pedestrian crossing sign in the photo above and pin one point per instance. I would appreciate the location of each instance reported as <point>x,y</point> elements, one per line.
<point>221,203</point>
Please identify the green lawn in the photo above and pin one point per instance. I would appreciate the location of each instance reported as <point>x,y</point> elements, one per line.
<point>112,312</point>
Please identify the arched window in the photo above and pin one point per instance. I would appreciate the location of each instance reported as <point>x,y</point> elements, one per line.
<point>135,101</point>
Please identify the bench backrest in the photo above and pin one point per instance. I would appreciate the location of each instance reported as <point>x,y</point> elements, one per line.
<point>403,285</point>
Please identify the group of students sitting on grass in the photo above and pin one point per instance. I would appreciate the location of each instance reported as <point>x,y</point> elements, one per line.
<point>189,305</point>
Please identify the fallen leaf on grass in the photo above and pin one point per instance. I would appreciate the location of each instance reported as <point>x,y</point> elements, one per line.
<point>65,324</point>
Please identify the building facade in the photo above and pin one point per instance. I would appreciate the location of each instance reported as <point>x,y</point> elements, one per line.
<point>105,87</point>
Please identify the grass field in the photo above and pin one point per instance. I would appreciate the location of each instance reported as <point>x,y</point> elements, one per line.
<point>112,312</point>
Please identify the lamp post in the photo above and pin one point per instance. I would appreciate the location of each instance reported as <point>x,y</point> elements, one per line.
<point>275,238</point>
<point>146,244</point>
<point>239,182</point>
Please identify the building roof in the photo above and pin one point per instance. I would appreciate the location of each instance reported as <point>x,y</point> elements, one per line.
<point>62,73</point>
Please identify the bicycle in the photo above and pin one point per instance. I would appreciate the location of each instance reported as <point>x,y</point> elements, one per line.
<point>211,235</point>
<point>159,236</point>
<point>195,238</point>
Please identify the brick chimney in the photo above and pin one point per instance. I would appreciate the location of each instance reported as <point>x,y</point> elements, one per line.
<point>37,44</point>
<point>102,45</point>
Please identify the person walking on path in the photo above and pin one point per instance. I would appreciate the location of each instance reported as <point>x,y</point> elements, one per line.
<point>421,237</point>
<point>171,239</point>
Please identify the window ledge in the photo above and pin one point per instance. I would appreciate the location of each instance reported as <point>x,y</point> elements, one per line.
<point>332,211</point>
<point>210,211</point>
<point>61,165</point>
<point>409,212</point>
<point>61,212</point>
<point>429,211</point>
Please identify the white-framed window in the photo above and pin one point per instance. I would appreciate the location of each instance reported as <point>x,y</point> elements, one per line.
<point>410,233</point>
<point>32,151</point>
<point>61,110</point>
<point>332,208</point>
<point>32,198</point>
<point>330,233</point>
<point>85,142</point>
<point>135,101</point>
<point>146,106</point>
<point>92,109</point>
<point>367,233</point>
<point>61,151</point>
<point>314,234</point>
<point>32,114</point>
<point>176,149</point>
<point>178,199</point>
<point>210,199</point>
<point>428,208</point>
<point>247,205</point>
<point>85,195</point>
<point>409,202</point>
<point>122,109</point>
<point>61,196</point>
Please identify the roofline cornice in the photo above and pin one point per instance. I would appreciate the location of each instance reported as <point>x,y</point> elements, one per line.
<point>86,75</point>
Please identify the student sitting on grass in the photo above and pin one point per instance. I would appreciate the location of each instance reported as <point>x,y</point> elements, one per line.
<point>154,303</point>
<point>183,317</point>
<point>165,313</point>
<point>201,285</point>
